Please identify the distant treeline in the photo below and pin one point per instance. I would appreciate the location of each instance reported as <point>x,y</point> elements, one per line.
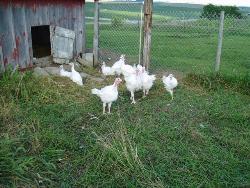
<point>212,11</point>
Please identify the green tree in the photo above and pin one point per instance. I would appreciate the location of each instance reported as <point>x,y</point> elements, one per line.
<point>212,11</point>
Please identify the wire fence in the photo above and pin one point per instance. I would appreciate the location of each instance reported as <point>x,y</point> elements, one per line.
<point>120,31</point>
<point>182,40</point>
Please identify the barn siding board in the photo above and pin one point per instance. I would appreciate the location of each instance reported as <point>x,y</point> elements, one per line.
<point>21,36</point>
<point>17,18</point>
<point>8,41</point>
<point>83,25</point>
<point>1,38</point>
<point>78,29</point>
<point>1,58</point>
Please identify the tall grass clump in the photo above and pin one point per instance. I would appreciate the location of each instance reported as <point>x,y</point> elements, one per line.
<point>22,158</point>
<point>216,81</point>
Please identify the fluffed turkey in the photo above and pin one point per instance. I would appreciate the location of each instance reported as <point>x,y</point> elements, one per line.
<point>133,83</point>
<point>75,76</point>
<point>127,70</point>
<point>64,72</point>
<point>108,94</point>
<point>170,82</point>
<point>118,64</point>
<point>106,71</point>
<point>147,81</point>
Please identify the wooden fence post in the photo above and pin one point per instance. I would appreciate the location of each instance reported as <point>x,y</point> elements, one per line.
<point>96,34</point>
<point>220,39</point>
<point>148,6</point>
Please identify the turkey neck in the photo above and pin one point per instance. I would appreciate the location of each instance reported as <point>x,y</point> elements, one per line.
<point>115,85</point>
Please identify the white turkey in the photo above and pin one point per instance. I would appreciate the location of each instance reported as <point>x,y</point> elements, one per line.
<point>75,76</point>
<point>147,81</point>
<point>140,68</point>
<point>108,94</point>
<point>133,83</point>
<point>127,70</point>
<point>64,72</point>
<point>170,82</point>
<point>106,71</point>
<point>118,64</point>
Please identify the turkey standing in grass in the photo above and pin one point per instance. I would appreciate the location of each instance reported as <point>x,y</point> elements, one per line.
<point>127,70</point>
<point>75,76</point>
<point>133,83</point>
<point>147,81</point>
<point>64,72</point>
<point>170,83</point>
<point>118,64</point>
<point>108,94</point>
<point>106,71</point>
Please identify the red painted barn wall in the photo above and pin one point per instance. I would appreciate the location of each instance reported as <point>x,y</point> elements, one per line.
<point>18,16</point>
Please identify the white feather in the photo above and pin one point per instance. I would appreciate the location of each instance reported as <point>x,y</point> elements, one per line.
<point>118,64</point>
<point>107,70</point>
<point>108,94</point>
<point>64,72</point>
<point>75,76</point>
<point>133,83</point>
<point>127,70</point>
<point>170,82</point>
<point>147,82</point>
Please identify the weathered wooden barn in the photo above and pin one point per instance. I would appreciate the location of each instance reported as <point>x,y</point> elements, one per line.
<point>34,28</point>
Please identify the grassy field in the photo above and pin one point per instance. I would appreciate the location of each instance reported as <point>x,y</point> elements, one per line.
<point>186,49</point>
<point>54,135</point>
<point>52,132</point>
<point>135,8</point>
<point>186,46</point>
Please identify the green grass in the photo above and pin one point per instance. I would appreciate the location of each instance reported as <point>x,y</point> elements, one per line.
<point>53,134</point>
<point>135,8</point>
<point>182,48</point>
<point>186,47</point>
<point>129,15</point>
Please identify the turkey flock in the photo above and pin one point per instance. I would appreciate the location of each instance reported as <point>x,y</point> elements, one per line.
<point>136,78</point>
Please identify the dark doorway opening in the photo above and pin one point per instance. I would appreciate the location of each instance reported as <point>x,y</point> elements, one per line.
<point>41,41</point>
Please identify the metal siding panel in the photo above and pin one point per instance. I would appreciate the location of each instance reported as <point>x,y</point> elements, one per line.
<point>40,15</point>
<point>1,39</point>
<point>74,28</point>
<point>83,28</point>
<point>78,31</point>
<point>69,17</point>
<point>57,14</point>
<point>64,18</point>
<point>29,21</point>
<point>33,16</point>
<point>1,60</point>
<point>8,38</point>
<point>45,15</point>
<point>51,14</point>
<point>21,36</point>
